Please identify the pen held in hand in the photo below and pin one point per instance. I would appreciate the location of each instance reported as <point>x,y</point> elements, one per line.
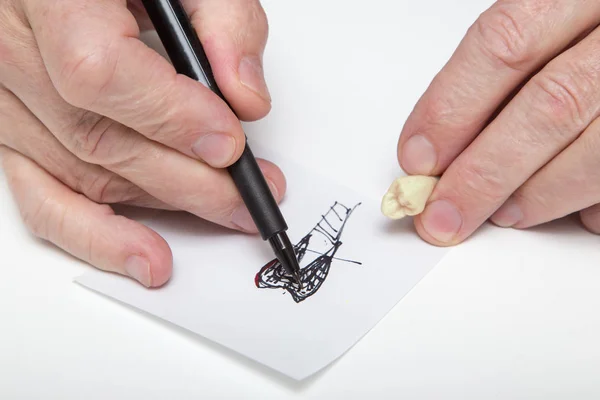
<point>189,58</point>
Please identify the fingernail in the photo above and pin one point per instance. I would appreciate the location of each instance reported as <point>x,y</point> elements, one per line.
<point>274,190</point>
<point>241,217</point>
<point>217,149</point>
<point>508,215</point>
<point>441,220</point>
<point>139,269</point>
<point>418,156</point>
<point>252,75</point>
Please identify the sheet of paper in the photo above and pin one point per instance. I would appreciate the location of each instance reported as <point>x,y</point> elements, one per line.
<point>329,130</point>
<point>368,265</point>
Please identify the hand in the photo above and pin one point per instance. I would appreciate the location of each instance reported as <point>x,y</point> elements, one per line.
<point>90,116</point>
<point>512,122</point>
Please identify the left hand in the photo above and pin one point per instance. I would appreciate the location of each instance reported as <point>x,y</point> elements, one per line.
<point>512,122</point>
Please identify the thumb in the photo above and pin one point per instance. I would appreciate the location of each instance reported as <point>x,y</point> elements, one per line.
<point>234,34</point>
<point>86,230</point>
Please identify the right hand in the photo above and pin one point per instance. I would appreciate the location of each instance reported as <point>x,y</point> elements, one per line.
<point>90,116</point>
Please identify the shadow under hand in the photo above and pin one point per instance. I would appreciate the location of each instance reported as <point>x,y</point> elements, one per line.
<point>400,227</point>
<point>566,229</point>
<point>180,222</point>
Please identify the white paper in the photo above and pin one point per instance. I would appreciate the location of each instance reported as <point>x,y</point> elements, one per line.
<point>213,291</point>
<point>333,123</point>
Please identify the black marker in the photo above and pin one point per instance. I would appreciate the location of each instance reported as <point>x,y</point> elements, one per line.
<point>188,57</point>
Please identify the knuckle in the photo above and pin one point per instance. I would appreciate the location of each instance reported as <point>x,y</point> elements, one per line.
<point>259,18</point>
<point>16,37</point>
<point>90,136</point>
<point>564,97</point>
<point>536,198</point>
<point>214,202</point>
<point>480,183</point>
<point>225,208</point>
<point>167,122</point>
<point>250,24</point>
<point>102,187</point>
<point>504,36</point>
<point>439,112</point>
<point>85,73</point>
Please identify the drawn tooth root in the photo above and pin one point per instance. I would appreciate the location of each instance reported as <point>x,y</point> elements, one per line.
<point>314,269</point>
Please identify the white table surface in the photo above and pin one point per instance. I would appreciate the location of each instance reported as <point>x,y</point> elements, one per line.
<point>511,315</point>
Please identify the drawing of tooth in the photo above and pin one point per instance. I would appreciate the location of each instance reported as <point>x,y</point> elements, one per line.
<point>324,240</point>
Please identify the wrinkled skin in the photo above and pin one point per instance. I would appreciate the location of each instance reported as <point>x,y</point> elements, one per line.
<point>511,122</point>
<point>90,116</point>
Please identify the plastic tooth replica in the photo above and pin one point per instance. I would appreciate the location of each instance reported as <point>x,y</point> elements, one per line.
<point>407,196</point>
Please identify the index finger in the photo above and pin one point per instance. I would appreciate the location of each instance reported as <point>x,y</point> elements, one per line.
<point>94,57</point>
<point>506,45</point>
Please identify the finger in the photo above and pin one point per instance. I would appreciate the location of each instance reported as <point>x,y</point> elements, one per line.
<point>234,34</point>
<point>137,9</point>
<point>551,111</point>
<point>23,132</point>
<point>569,183</point>
<point>97,63</point>
<point>163,173</point>
<point>590,217</point>
<point>88,231</point>
<point>506,45</point>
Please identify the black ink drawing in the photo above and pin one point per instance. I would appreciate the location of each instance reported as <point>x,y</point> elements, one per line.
<point>325,241</point>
